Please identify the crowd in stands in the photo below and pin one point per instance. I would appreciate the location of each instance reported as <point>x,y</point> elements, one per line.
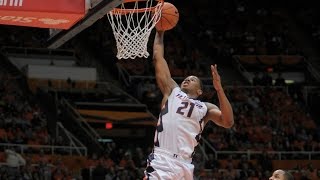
<point>307,15</point>
<point>268,119</point>
<point>29,166</point>
<point>129,163</point>
<point>223,29</point>
<point>18,36</point>
<point>22,123</point>
<point>262,125</point>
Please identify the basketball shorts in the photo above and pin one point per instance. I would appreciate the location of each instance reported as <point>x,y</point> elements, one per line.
<point>164,165</point>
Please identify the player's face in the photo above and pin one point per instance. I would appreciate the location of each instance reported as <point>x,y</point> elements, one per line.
<point>277,175</point>
<point>190,84</point>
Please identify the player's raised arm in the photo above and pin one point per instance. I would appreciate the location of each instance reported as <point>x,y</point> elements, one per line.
<point>223,116</point>
<point>162,73</point>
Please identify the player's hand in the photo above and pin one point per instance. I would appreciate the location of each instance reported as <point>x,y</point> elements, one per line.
<point>160,32</point>
<point>216,78</point>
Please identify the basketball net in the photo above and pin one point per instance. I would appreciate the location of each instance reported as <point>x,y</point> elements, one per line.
<point>132,27</point>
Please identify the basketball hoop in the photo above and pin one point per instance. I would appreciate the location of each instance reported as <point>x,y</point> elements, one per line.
<point>132,25</point>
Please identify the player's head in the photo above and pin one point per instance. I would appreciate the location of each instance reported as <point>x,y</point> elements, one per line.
<point>192,85</point>
<point>281,175</point>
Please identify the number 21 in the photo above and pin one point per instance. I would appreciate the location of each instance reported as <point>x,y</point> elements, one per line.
<point>184,106</point>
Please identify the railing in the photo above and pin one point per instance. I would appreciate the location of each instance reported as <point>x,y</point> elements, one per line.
<point>123,75</point>
<point>153,78</point>
<point>74,142</point>
<point>107,86</point>
<point>313,68</point>
<point>37,51</point>
<point>307,90</point>
<point>85,125</point>
<point>60,84</point>
<point>209,79</point>
<point>281,155</point>
<point>241,69</point>
<point>21,148</point>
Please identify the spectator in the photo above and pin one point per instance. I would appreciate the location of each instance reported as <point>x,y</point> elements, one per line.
<point>14,162</point>
<point>211,163</point>
<point>256,81</point>
<point>280,80</point>
<point>99,172</point>
<point>265,161</point>
<point>266,79</point>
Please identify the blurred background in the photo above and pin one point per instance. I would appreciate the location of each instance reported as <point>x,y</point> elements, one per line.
<point>69,109</point>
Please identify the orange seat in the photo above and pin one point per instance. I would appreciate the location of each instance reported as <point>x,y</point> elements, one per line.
<point>269,60</point>
<point>291,60</point>
<point>291,164</point>
<point>248,59</point>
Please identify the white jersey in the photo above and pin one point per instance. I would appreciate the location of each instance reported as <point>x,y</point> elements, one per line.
<point>180,124</point>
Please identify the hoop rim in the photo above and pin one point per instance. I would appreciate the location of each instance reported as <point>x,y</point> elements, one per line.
<point>127,11</point>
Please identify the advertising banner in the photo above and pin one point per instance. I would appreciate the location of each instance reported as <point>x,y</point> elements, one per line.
<point>56,14</point>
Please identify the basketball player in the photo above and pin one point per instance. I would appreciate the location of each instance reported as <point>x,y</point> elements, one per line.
<point>182,119</point>
<point>281,175</point>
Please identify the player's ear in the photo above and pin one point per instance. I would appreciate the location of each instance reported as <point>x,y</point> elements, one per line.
<point>199,92</point>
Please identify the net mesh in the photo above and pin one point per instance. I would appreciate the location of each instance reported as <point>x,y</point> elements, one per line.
<point>132,28</point>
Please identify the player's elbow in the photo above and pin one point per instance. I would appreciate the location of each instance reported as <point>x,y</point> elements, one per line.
<point>229,123</point>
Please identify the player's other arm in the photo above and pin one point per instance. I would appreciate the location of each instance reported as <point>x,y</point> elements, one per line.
<point>223,116</point>
<point>163,76</point>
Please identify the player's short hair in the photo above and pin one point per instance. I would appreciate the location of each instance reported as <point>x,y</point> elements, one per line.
<point>200,82</point>
<point>200,97</point>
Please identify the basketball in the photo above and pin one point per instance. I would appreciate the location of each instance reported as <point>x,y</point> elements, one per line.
<point>169,17</point>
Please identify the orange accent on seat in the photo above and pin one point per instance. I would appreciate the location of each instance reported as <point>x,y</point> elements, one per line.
<point>291,164</point>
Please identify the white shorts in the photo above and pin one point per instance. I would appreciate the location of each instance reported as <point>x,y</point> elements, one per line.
<point>164,165</point>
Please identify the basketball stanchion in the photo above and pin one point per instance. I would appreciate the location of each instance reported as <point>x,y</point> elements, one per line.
<point>132,23</point>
